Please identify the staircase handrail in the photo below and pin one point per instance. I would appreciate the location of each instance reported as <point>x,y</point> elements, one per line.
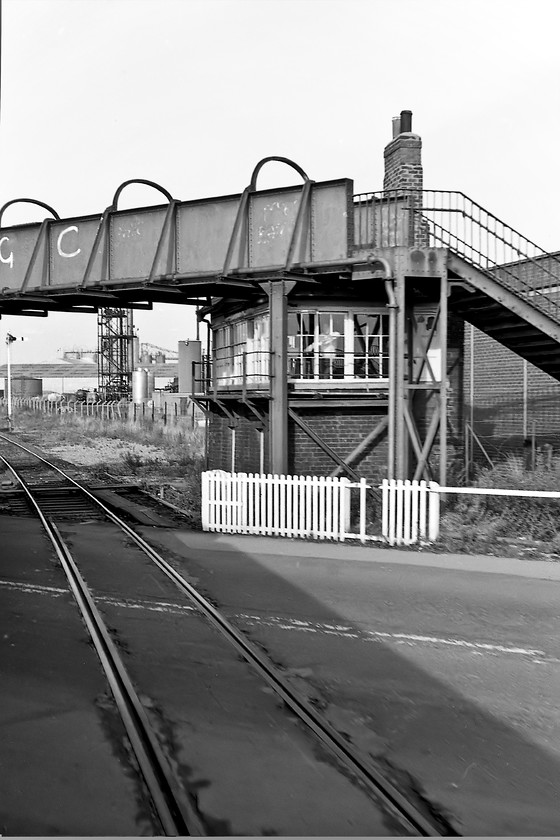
<point>423,205</point>
<point>414,194</point>
<point>491,215</point>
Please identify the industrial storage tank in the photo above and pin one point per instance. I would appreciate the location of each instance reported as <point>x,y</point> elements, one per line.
<point>150,383</point>
<point>139,385</point>
<point>26,386</point>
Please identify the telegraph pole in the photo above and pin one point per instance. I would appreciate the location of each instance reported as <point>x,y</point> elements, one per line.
<point>9,341</point>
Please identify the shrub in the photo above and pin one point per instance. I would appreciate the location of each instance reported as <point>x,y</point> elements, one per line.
<point>474,520</point>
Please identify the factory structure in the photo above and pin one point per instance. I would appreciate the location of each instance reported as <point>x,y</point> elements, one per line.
<point>78,371</point>
<point>345,334</point>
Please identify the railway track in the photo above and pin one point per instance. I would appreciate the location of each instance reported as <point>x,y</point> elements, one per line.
<point>54,496</point>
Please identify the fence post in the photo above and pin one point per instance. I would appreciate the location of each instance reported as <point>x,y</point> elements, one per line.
<point>433,513</point>
<point>407,490</point>
<point>385,509</point>
<point>363,488</point>
<point>205,502</point>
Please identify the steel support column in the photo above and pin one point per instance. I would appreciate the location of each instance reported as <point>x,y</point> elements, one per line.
<point>400,390</point>
<point>392,306</point>
<point>278,291</point>
<point>443,385</point>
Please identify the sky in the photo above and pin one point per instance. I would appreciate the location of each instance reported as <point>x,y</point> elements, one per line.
<point>192,94</point>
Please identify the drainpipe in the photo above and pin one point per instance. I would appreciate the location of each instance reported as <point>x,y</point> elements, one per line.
<point>392,379</point>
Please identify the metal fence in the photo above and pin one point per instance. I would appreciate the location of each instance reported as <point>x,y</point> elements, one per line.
<point>166,414</point>
<point>524,423</point>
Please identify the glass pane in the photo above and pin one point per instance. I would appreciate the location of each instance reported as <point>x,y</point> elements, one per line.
<point>293,323</point>
<point>338,322</point>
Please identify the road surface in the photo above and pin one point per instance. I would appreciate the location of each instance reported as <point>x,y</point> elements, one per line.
<point>445,669</point>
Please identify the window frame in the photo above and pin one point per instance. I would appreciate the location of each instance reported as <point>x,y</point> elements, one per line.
<point>296,362</point>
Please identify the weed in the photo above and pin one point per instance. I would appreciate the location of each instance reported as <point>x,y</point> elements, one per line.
<point>132,462</point>
<point>181,447</point>
<point>475,522</point>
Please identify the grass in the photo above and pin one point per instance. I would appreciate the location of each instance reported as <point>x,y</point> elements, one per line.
<point>170,458</point>
<point>476,523</point>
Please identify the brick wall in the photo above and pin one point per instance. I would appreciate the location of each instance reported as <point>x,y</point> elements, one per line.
<point>403,163</point>
<point>499,402</point>
<point>404,174</point>
<point>247,444</point>
<point>343,430</point>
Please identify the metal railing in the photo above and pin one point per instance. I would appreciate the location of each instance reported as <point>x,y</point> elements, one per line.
<point>448,219</point>
<point>249,370</point>
<point>345,366</point>
<point>213,376</point>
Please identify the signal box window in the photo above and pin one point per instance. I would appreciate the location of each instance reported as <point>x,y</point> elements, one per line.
<point>338,345</point>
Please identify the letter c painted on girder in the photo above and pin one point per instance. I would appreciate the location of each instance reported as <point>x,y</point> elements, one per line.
<point>59,241</point>
<point>8,260</point>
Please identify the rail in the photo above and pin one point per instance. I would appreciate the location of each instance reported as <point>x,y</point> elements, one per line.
<point>411,818</point>
<point>175,813</point>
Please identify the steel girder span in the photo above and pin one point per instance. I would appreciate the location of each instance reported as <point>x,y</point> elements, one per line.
<point>178,252</point>
<point>225,247</point>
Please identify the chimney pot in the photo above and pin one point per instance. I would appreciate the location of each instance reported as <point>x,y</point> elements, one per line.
<point>396,126</point>
<point>406,121</point>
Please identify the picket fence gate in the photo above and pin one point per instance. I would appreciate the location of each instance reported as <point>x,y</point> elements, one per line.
<point>317,507</point>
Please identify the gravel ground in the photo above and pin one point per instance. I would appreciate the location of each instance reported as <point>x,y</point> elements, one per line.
<point>152,467</point>
<point>107,451</point>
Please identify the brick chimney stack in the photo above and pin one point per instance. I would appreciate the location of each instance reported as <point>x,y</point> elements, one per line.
<point>403,157</point>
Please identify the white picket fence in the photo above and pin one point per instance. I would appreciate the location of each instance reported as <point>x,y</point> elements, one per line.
<point>322,507</point>
<point>281,505</point>
<point>316,507</point>
<point>410,511</point>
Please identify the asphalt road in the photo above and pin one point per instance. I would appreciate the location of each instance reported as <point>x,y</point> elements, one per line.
<point>61,740</point>
<point>446,670</point>
<point>65,764</point>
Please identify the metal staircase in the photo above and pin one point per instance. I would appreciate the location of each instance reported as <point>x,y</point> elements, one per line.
<point>508,286</point>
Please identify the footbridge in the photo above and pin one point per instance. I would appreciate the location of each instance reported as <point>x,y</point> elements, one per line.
<point>315,241</point>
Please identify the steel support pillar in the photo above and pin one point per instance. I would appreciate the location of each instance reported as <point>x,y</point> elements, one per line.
<point>392,306</point>
<point>443,314</point>
<point>278,291</point>
<point>400,386</point>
